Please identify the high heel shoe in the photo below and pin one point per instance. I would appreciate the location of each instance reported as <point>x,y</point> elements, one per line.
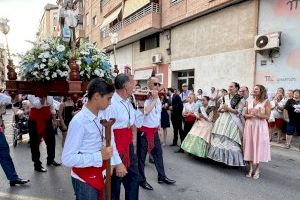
<point>256,175</point>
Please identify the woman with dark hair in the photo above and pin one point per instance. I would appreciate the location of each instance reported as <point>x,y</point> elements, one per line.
<point>65,114</point>
<point>165,118</point>
<point>292,117</point>
<point>197,140</point>
<point>256,139</point>
<point>228,130</point>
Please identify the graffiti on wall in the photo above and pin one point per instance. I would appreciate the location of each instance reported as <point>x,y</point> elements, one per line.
<point>287,7</point>
<point>293,4</point>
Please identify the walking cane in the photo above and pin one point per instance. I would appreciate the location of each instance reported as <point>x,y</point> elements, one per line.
<point>108,124</point>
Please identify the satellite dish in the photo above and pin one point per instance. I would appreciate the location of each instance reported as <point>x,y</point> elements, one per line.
<point>262,41</point>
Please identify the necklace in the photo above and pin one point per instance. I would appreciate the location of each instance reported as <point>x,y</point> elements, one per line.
<point>128,111</point>
<point>100,131</point>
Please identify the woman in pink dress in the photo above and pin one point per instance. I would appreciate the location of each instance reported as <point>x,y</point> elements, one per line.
<point>256,133</point>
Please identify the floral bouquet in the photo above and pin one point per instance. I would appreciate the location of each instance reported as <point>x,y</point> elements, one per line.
<point>47,60</point>
<point>93,63</point>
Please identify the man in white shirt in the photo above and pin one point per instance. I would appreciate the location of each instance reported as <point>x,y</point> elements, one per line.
<point>244,91</point>
<point>84,148</point>
<point>185,93</point>
<point>148,138</point>
<point>126,116</point>
<point>213,97</point>
<point>41,124</point>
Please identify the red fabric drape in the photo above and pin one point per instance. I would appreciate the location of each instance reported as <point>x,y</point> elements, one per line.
<point>92,176</point>
<point>149,133</point>
<point>123,138</point>
<point>40,117</point>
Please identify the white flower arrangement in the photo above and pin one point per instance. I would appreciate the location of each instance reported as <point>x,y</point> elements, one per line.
<point>93,63</point>
<point>47,60</point>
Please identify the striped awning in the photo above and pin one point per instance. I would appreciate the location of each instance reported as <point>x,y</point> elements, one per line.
<point>111,17</point>
<point>133,5</point>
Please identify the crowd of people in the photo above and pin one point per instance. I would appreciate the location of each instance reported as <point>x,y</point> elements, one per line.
<point>230,126</point>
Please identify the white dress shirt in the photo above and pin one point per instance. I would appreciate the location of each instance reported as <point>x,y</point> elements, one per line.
<point>190,107</point>
<point>124,113</point>
<point>213,99</point>
<point>84,142</point>
<point>4,99</point>
<point>152,119</point>
<point>184,95</point>
<point>35,102</point>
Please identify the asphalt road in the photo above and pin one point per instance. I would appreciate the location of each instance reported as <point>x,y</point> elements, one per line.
<point>197,179</point>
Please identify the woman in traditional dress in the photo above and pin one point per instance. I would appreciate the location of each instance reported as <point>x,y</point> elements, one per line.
<point>256,141</point>
<point>227,131</point>
<point>198,139</point>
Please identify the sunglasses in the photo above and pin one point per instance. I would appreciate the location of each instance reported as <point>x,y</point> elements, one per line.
<point>156,84</point>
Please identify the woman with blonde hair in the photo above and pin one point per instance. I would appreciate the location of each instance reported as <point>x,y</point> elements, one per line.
<point>256,141</point>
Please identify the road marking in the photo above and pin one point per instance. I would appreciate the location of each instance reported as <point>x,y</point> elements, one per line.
<point>20,197</point>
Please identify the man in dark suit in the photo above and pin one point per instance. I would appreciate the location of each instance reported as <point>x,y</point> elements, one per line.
<point>176,115</point>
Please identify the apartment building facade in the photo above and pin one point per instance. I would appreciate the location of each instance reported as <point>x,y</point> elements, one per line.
<point>202,43</point>
<point>49,24</point>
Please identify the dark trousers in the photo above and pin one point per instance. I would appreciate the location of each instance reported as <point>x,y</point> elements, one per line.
<point>35,141</point>
<point>187,127</point>
<point>130,181</point>
<point>177,127</point>
<point>142,149</point>
<point>6,161</point>
<point>83,191</point>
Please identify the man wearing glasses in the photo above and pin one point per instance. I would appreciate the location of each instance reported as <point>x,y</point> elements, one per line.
<point>185,93</point>
<point>148,138</point>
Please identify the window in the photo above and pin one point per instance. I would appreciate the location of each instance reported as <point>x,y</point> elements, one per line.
<point>94,21</point>
<point>149,42</point>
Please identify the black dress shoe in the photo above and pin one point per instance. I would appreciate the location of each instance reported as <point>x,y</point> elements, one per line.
<point>40,169</point>
<point>166,181</point>
<point>173,145</point>
<point>54,163</point>
<point>19,181</point>
<point>179,151</point>
<point>146,186</point>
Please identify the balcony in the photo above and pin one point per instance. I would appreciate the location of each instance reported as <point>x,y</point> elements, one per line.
<point>108,6</point>
<point>179,11</point>
<point>142,23</point>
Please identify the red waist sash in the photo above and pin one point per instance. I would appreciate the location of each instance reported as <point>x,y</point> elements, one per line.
<point>40,117</point>
<point>190,118</point>
<point>149,133</point>
<point>92,176</point>
<point>123,138</point>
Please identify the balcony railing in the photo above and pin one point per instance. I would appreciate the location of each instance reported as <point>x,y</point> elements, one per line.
<point>174,2</point>
<point>151,8</point>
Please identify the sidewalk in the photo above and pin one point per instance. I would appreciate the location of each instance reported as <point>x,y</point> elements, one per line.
<point>295,145</point>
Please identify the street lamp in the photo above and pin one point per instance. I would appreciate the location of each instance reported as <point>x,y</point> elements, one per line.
<point>114,41</point>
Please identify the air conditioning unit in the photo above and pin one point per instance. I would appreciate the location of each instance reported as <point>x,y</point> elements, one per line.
<point>157,58</point>
<point>267,41</point>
